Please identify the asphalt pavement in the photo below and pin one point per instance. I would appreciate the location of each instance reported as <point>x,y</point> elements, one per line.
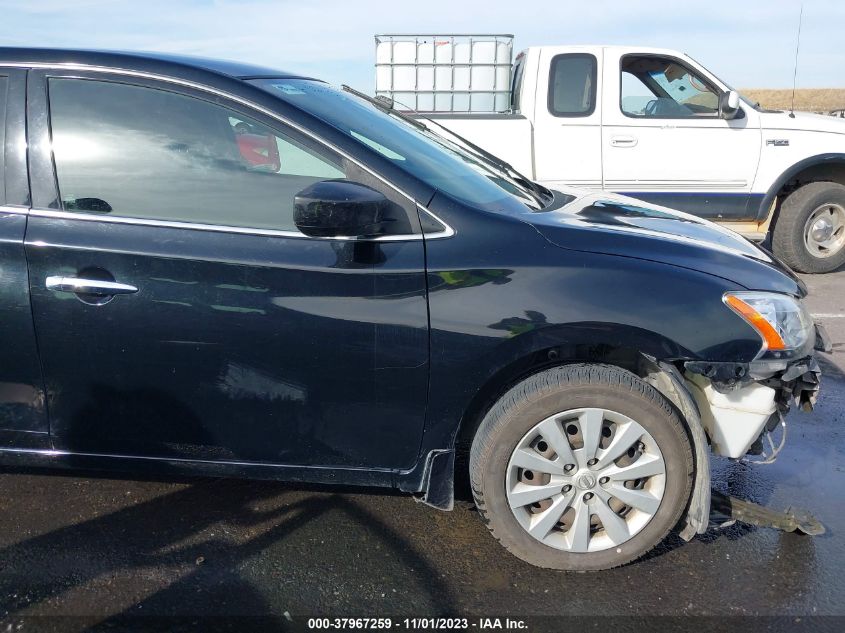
<point>107,546</point>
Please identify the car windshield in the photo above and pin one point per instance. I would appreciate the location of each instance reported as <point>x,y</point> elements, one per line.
<point>433,159</point>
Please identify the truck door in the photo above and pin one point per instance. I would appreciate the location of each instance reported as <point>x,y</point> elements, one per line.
<point>664,140</point>
<point>567,137</point>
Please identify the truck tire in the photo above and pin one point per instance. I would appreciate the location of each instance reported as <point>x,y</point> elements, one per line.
<point>810,231</point>
<point>581,467</point>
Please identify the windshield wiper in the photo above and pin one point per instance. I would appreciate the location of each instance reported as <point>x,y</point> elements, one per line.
<point>387,105</point>
<point>498,162</point>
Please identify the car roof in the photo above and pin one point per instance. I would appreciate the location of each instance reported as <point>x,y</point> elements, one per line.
<point>140,60</point>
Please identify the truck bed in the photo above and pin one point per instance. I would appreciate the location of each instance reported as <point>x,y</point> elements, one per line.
<point>507,135</point>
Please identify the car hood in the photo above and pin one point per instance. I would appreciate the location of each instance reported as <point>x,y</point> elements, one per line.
<point>617,225</point>
<point>802,121</point>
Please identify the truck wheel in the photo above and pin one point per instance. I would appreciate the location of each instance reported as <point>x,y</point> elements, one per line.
<point>581,467</point>
<point>810,231</point>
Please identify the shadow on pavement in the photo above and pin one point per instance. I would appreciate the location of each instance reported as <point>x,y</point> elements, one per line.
<point>159,534</point>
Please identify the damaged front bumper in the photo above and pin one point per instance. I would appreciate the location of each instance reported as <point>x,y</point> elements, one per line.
<point>754,398</point>
<point>726,510</point>
<point>743,403</point>
<point>738,412</point>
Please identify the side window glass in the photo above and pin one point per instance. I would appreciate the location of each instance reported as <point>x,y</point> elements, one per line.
<point>635,95</point>
<point>141,152</point>
<point>264,150</point>
<point>658,87</point>
<point>572,85</point>
<point>4,85</point>
<point>516,82</point>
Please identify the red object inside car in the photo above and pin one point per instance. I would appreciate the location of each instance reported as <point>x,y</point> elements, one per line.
<point>260,151</point>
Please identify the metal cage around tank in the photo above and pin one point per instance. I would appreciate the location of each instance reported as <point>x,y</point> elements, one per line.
<point>445,73</point>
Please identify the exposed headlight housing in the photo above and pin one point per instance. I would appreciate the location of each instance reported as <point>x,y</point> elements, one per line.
<point>782,322</point>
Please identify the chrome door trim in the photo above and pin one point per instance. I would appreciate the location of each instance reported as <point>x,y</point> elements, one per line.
<point>221,228</point>
<point>15,210</point>
<point>447,232</point>
<point>88,286</point>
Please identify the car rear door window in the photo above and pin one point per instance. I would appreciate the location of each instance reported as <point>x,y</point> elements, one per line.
<point>140,152</point>
<point>4,85</point>
<point>572,85</point>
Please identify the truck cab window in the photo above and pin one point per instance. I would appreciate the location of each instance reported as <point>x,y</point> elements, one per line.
<point>572,85</point>
<point>516,83</point>
<point>662,87</point>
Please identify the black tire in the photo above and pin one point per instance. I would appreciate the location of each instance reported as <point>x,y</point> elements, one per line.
<point>788,236</point>
<point>561,389</point>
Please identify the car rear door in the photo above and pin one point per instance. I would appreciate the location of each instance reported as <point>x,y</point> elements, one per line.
<point>23,418</point>
<point>179,312</point>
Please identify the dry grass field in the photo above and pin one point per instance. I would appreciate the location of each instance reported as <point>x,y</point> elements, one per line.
<point>806,99</point>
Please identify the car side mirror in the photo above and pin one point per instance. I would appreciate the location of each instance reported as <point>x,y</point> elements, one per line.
<point>340,208</point>
<point>729,104</point>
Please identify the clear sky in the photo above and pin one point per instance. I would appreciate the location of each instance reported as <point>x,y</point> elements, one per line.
<point>748,43</point>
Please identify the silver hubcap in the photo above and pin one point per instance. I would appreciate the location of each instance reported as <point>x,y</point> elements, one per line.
<point>824,232</point>
<point>585,480</point>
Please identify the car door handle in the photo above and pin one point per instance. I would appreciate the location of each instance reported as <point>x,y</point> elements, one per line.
<point>88,286</point>
<point>623,141</point>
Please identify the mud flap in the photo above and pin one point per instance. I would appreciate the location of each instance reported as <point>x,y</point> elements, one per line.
<point>730,509</point>
<point>439,480</point>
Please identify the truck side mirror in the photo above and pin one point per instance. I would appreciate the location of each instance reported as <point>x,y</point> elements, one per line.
<point>729,104</point>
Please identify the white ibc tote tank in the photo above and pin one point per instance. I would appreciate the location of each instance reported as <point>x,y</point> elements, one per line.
<point>445,73</point>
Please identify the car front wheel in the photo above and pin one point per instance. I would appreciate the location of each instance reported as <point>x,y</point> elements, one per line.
<point>581,467</point>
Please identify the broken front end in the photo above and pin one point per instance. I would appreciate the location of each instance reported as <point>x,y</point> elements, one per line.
<point>742,405</point>
<point>739,408</point>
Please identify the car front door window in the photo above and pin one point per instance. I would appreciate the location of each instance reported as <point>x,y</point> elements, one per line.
<point>136,152</point>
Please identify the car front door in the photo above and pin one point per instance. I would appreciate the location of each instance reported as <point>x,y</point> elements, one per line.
<point>664,140</point>
<point>179,311</point>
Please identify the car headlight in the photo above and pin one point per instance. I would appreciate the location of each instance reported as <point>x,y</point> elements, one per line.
<point>781,321</point>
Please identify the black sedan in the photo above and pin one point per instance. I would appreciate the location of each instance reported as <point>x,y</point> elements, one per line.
<point>217,268</point>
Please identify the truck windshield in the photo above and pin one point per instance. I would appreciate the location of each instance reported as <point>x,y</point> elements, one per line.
<point>746,100</point>
<point>431,158</point>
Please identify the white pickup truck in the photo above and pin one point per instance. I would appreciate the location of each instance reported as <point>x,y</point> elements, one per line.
<point>649,123</point>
